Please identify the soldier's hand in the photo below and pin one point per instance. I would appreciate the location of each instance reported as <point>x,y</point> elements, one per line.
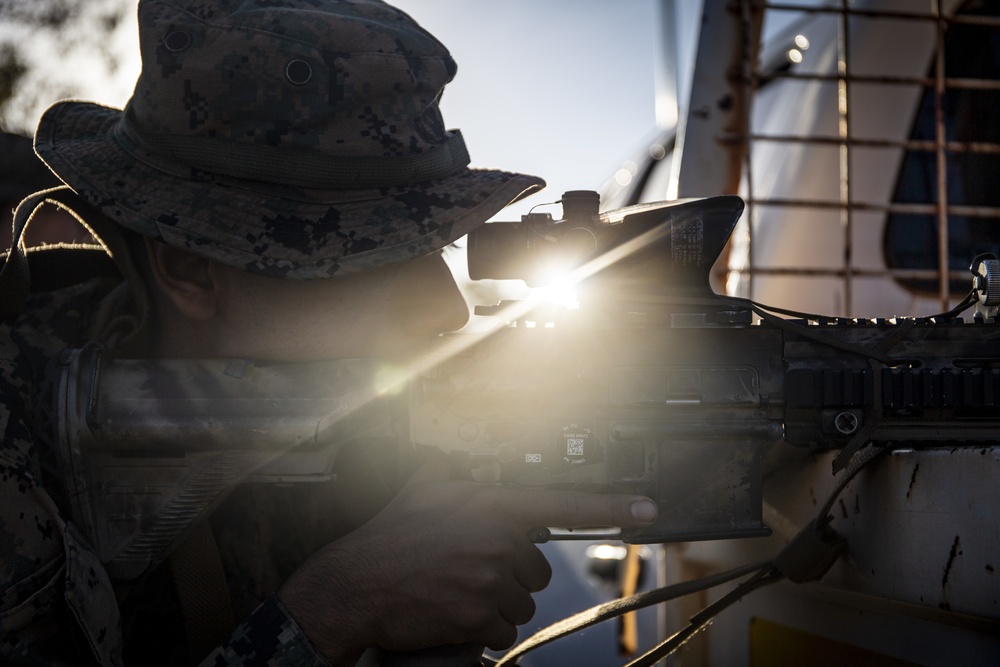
<point>444,563</point>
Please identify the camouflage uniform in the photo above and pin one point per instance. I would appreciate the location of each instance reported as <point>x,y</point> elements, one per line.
<point>58,605</point>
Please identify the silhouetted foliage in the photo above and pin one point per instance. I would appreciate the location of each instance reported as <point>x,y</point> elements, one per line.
<point>55,49</point>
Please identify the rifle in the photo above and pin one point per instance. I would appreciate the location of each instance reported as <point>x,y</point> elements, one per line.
<point>655,385</point>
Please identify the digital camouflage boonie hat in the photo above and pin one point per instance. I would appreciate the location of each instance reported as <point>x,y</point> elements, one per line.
<point>293,138</point>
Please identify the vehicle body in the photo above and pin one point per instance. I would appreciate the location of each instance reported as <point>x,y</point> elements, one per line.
<point>864,138</point>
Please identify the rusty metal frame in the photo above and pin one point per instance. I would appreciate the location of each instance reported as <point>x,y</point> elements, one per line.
<point>718,109</point>
<point>844,79</point>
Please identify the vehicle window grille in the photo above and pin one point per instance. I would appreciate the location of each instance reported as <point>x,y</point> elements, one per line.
<point>972,163</point>
<point>945,207</point>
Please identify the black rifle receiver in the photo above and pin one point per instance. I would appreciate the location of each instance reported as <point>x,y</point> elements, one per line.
<point>657,385</point>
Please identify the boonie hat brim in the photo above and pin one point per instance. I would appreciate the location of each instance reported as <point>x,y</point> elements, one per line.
<point>271,229</point>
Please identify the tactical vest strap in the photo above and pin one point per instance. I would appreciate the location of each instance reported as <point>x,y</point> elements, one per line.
<point>54,267</point>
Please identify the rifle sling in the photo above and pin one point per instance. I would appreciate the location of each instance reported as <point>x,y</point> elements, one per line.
<point>201,586</point>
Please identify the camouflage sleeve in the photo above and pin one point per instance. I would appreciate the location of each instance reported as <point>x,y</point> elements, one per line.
<point>56,601</point>
<point>269,637</point>
<point>57,604</point>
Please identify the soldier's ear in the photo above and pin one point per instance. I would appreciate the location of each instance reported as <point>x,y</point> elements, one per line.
<point>189,282</point>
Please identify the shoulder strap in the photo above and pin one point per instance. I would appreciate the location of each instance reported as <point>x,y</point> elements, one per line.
<point>57,266</point>
<point>15,278</point>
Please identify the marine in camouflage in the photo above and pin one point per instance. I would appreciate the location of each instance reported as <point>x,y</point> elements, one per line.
<point>297,139</point>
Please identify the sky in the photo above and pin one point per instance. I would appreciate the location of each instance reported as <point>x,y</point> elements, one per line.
<point>563,89</point>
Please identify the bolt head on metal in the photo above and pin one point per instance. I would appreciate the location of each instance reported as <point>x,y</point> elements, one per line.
<point>846,423</point>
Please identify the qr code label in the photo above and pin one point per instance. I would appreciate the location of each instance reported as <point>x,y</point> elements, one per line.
<point>574,446</point>
<point>532,458</point>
